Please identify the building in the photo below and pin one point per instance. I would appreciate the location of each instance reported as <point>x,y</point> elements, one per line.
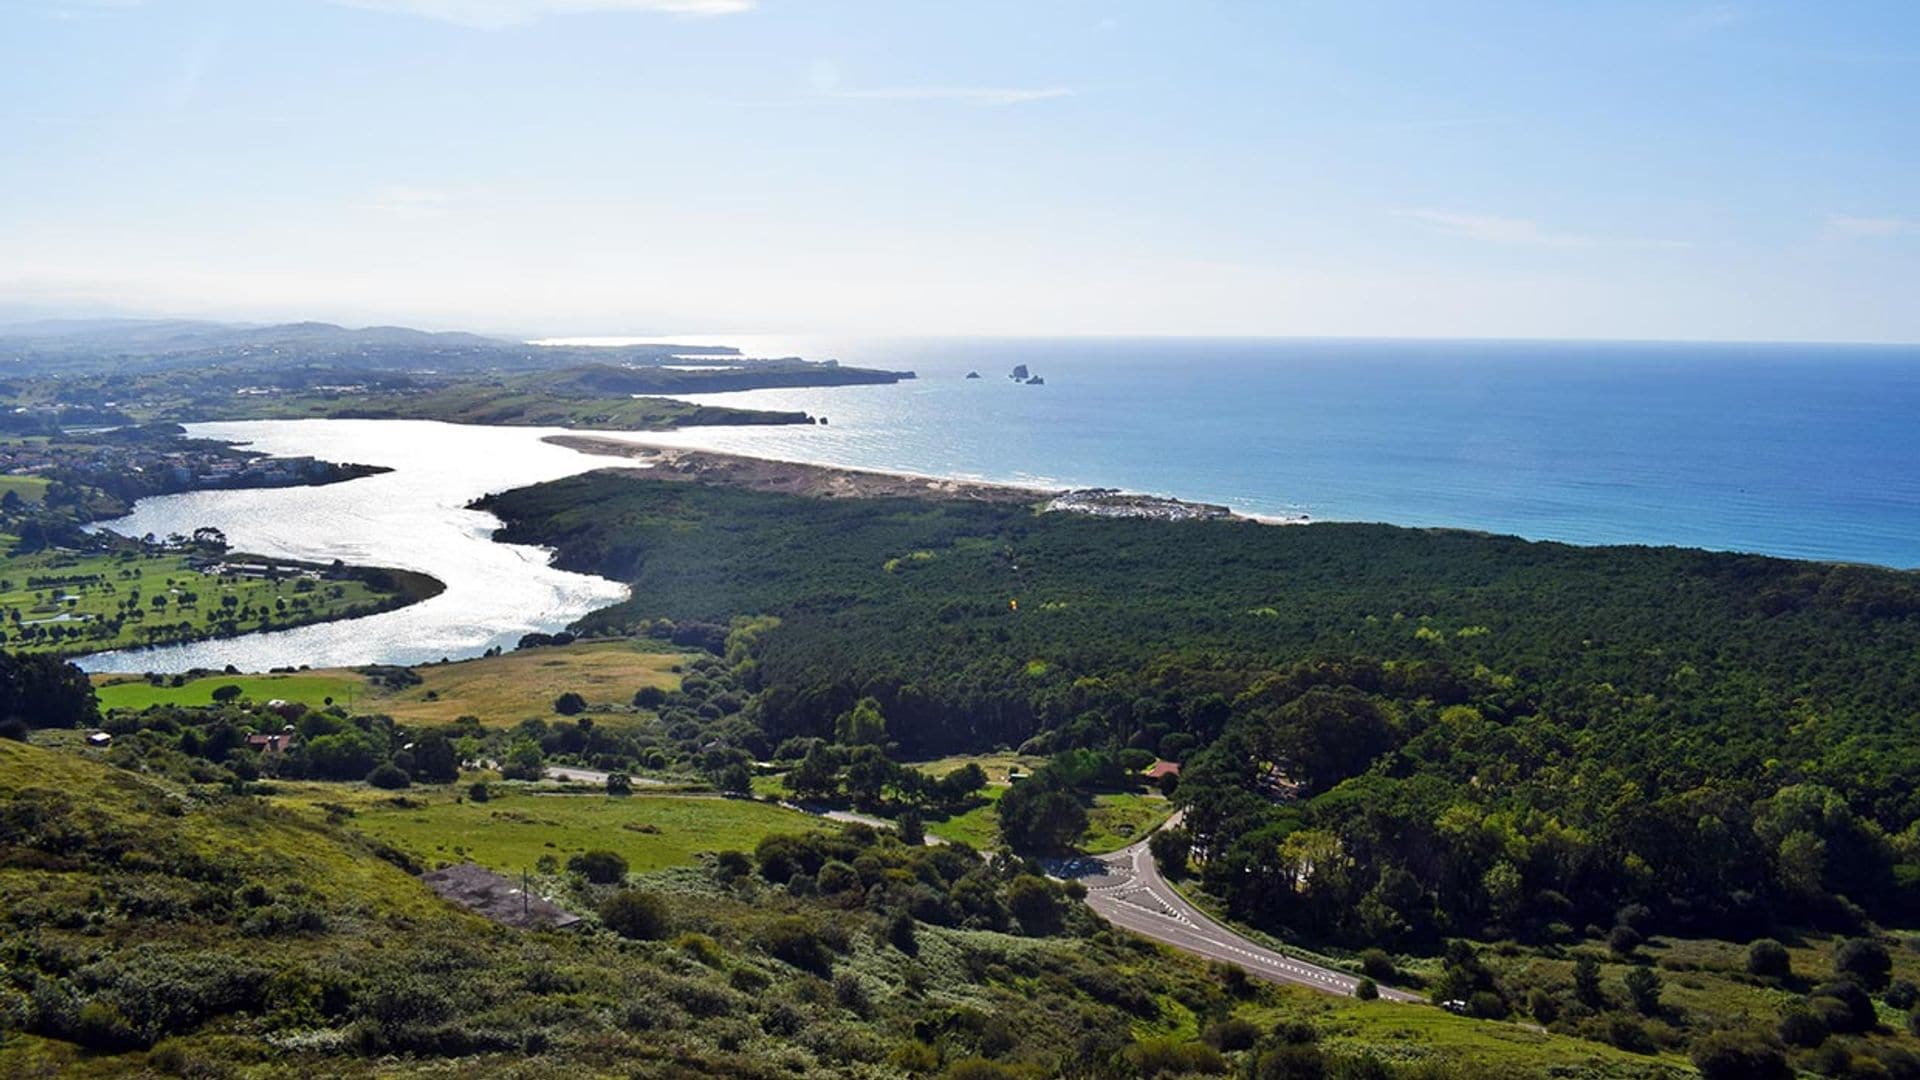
<point>277,743</point>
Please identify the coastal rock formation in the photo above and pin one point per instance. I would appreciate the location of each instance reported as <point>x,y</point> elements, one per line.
<point>1111,502</point>
<point>1019,373</point>
<point>973,374</point>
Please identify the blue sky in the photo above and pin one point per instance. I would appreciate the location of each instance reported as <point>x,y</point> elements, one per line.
<point>1731,170</point>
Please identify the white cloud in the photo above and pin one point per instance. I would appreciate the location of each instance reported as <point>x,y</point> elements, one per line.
<point>1520,232</point>
<point>493,14</point>
<point>1845,225</point>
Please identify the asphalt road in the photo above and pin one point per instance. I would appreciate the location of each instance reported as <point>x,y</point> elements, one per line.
<point>1127,890</point>
<point>594,776</point>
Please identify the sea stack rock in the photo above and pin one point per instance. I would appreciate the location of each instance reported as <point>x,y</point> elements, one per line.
<point>1036,381</point>
<point>1019,373</point>
<point>973,374</point>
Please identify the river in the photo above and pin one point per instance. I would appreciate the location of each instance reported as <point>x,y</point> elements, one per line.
<point>413,518</point>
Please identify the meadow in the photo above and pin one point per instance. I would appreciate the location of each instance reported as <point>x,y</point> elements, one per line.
<point>514,829</point>
<point>500,690</point>
<point>67,603</point>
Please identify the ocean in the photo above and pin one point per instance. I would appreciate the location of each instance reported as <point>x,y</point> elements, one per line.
<point>1810,451</point>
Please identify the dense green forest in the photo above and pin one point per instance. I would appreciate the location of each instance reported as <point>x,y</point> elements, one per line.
<point>1393,735</point>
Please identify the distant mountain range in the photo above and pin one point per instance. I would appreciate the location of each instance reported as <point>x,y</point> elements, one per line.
<point>55,345</point>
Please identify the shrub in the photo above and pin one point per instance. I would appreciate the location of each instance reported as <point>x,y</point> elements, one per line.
<point>1769,959</point>
<point>1902,995</point>
<point>1629,1034</point>
<point>599,867</point>
<point>1864,961</point>
<point>1623,940</point>
<point>570,704</point>
<point>1035,904</point>
<point>1643,986</point>
<point>794,940</point>
<point>837,877</point>
<point>389,776</point>
<point>1726,1055</point>
<point>1845,1007</point>
<point>1366,990</point>
<point>634,914</point>
<point>732,865</point>
<point>1377,965</point>
<point>1290,1060</point>
<point>1542,1005</point>
<point>619,784</point>
<point>478,792</point>
<point>901,934</point>
<point>1233,1033</point>
<point>702,949</point>
<point>851,993</point>
<point>1801,1027</point>
<point>1165,1057</point>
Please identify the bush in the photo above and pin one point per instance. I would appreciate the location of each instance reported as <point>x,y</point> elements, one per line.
<point>1623,940</point>
<point>1801,1027</point>
<point>1769,959</point>
<point>1377,965</point>
<point>1366,990</point>
<point>478,792</point>
<point>619,784</point>
<point>1845,1007</point>
<point>634,914</point>
<point>389,776</point>
<point>1034,902</point>
<point>794,940</point>
<point>1902,995</point>
<point>1726,1055</point>
<point>902,934</point>
<point>1165,1057</point>
<point>1643,986</point>
<point>1289,1061</point>
<point>570,704</point>
<point>1233,1033</point>
<point>851,993</point>
<point>599,867</point>
<point>1864,961</point>
<point>837,877</point>
<point>1629,1034</point>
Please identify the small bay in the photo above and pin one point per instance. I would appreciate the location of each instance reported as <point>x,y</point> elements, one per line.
<point>412,518</point>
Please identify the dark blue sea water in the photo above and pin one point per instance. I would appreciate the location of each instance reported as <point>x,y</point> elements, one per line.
<point>1799,450</point>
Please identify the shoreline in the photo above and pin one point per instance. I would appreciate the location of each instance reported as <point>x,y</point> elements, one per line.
<point>780,476</point>
<point>407,588</point>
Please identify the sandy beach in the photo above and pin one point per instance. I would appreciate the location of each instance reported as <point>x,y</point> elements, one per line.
<point>835,482</point>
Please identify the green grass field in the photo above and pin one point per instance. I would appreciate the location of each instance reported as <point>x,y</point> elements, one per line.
<point>1413,1034</point>
<point>500,690</point>
<point>504,690</point>
<point>70,604</point>
<point>312,688</point>
<point>1113,822</point>
<point>30,488</point>
<point>511,831</point>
